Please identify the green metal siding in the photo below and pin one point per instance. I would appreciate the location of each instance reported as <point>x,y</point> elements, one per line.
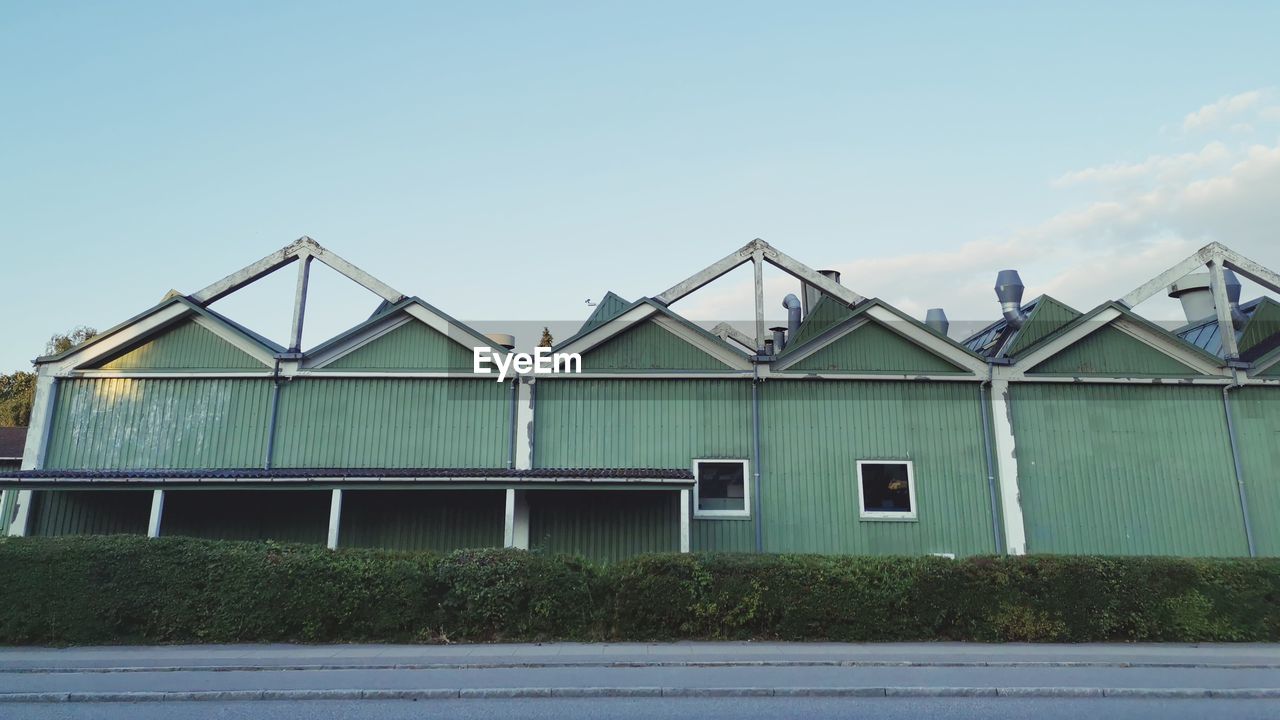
<point>824,315</point>
<point>159,423</point>
<point>282,515</point>
<point>814,432</point>
<point>186,346</point>
<point>874,348</point>
<point>436,520</point>
<point>1264,323</point>
<point>412,346</point>
<point>610,307</point>
<point>1256,413</point>
<point>90,512</point>
<point>1048,316</point>
<point>605,526</point>
<point>1111,352</point>
<point>1273,371</point>
<point>641,423</point>
<point>648,346</point>
<point>393,422</point>
<point>1126,470</point>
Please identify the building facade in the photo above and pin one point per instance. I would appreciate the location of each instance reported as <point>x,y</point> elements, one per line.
<point>856,429</point>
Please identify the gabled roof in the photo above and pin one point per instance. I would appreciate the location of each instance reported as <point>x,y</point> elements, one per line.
<point>609,307</point>
<point>643,310</point>
<point>1108,314</point>
<point>387,317</point>
<point>176,307</point>
<point>831,329</point>
<point>1044,314</point>
<point>1204,333</point>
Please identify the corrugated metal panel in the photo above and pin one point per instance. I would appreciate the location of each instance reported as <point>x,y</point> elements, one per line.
<point>282,515</point>
<point>647,346</point>
<point>874,348</point>
<point>393,422</point>
<point>641,423</point>
<point>412,346</point>
<point>1263,324</point>
<point>610,307</point>
<point>816,431</point>
<point>605,526</point>
<point>1111,352</point>
<point>1256,412</point>
<point>161,423</point>
<point>824,315</point>
<point>186,346</point>
<point>437,520</point>
<point>90,512</point>
<point>1126,470</point>
<point>1048,316</point>
<point>1273,371</point>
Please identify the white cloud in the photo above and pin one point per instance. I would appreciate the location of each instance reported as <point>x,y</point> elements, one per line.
<point>1214,113</point>
<point>1144,217</point>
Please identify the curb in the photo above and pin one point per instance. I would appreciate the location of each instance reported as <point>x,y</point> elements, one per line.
<point>636,664</point>
<point>634,692</point>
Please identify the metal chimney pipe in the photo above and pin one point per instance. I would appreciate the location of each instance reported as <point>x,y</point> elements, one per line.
<point>936,319</point>
<point>792,304</point>
<point>1009,289</point>
<point>812,294</point>
<point>779,338</point>
<point>1232,286</point>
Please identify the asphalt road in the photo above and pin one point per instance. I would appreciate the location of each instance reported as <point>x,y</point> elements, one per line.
<point>664,709</point>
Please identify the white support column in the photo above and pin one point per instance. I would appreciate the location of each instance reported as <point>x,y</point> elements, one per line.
<point>157,512</point>
<point>509,525</point>
<point>684,520</point>
<point>520,527</point>
<point>1015,534</point>
<point>757,259</point>
<point>335,517</point>
<point>300,301</point>
<point>524,424</point>
<point>1222,309</point>
<point>33,452</point>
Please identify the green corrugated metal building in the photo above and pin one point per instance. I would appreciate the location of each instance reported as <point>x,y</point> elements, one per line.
<point>855,430</point>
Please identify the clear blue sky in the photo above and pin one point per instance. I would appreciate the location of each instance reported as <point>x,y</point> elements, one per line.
<point>507,160</point>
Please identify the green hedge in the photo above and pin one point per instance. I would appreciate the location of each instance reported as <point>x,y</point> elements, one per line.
<point>123,589</point>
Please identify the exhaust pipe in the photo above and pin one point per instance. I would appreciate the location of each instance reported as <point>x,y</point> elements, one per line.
<point>1009,289</point>
<point>936,319</point>
<point>792,304</point>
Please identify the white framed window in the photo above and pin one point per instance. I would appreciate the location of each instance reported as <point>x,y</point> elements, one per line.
<point>721,488</point>
<point>886,490</point>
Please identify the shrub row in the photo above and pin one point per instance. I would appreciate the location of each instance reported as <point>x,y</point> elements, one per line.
<point>124,589</point>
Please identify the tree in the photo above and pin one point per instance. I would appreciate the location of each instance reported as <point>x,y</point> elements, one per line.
<point>547,340</point>
<point>18,390</point>
<point>64,342</point>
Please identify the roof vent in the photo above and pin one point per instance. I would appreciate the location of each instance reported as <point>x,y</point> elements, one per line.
<point>1009,289</point>
<point>792,304</point>
<point>812,294</point>
<point>936,319</point>
<point>1196,295</point>
<point>779,338</point>
<point>505,340</point>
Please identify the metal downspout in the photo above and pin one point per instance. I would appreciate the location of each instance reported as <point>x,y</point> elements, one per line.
<point>515,402</point>
<point>984,394</point>
<point>1235,459</point>
<point>275,410</point>
<point>755,452</point>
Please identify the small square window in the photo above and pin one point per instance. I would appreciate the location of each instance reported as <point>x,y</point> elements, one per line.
<point>721,489</point>
<point>886,490</point>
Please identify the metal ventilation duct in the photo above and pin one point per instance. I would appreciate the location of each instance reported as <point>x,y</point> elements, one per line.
<point>1196,295</point>
<point>936,319</point>
<point>792,304</point>
<point>1009,289</point>
<point>812,294</point>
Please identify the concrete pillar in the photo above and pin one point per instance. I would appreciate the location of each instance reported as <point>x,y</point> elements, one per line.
<point>684,520</point>
<point>335,517</point>
<point>33,452</point>
<point>1015,534</point>
<point>509,523</point>
<point>157,511</point>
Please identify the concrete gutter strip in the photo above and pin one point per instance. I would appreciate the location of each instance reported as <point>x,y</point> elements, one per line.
<point>533,665</point>
<point>633,692</point>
